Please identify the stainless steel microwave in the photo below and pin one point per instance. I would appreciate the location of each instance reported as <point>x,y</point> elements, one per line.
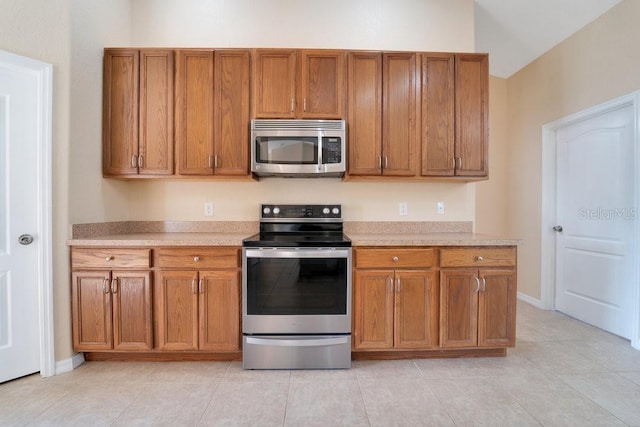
<point>298,148</point>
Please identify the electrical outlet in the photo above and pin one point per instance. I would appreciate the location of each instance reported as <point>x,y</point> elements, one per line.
<point>404,209</point>
<point>208,208</point>
<point>440,208</point>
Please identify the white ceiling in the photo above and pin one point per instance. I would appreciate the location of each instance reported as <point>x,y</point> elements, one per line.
<point>515,32</point>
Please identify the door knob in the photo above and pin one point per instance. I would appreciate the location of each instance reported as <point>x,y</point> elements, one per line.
<point>558,228</point>
<point>25,239</point>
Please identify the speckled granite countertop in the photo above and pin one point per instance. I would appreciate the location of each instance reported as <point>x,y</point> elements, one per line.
<point>147,233</point>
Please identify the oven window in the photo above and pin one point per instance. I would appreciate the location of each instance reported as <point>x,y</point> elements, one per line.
<point>287,150</point>
<point>295,286</point>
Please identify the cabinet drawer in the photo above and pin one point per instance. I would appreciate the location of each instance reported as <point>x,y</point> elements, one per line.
<point>478,257</point>
<point>395,258</point>
<point>198,258</point>
<point>110,258</point>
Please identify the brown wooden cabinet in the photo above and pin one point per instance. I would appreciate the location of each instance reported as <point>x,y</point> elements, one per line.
<point>138,112</point>
<point>288,83</point>
<point>478,305</point>
<point>198,303</point>
<point>454,114</point>
<point>395,299</point>
<point>212,112</point>
<point>111,308</point>
<point>383,114</point>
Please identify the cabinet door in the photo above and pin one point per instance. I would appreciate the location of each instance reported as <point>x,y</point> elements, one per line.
<point>364,112</point>
<point>131,293</point>
<point>438,114</point>
<point>274,83</point>
<point>472,114</point>
<point>399,115</point>
<point>321,84</point>
<point>177,310</point>
<point>194,112</point>
<point>497,308</point>
<point>155,155</point>
<point>220,310</point>
<point>231,123</point>
<point>416,309</point>
<point>373,310</point>
<point>120,112</point>
<point>459,308</point>
<point>91,308</point>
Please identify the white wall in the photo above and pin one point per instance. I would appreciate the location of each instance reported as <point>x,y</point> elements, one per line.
<point>428,25</point>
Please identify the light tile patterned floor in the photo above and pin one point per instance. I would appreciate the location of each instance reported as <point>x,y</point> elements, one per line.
<point>561,373</point>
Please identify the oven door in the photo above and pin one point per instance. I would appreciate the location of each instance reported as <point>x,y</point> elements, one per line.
<point>296,290</point>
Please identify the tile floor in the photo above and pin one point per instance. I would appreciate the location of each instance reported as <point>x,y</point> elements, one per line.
<point>562,372</point>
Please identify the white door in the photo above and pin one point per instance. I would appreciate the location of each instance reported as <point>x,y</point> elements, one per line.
<point>19,210</point>
<point>596,210</point>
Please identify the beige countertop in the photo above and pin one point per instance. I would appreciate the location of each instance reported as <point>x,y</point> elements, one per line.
<point>235,239</point>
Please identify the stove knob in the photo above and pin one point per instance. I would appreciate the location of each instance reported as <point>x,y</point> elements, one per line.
<point>335,211</point>
<point>266,210</point>
<point>276,211</point>
<point>326,211</point>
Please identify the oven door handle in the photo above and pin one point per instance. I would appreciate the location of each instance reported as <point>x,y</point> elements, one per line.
<point>297,253</point>
<point>276,342</point>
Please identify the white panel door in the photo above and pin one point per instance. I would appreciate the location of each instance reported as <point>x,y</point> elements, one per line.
<point>19,313</point>
<point>597,212</point>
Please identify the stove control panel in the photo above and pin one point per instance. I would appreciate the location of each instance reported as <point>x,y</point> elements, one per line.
<point>301,212</point>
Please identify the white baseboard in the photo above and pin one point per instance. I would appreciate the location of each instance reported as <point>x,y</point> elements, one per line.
<point>69,365</point>
<point>533,301</point>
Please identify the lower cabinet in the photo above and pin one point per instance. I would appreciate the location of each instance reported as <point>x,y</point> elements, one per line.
<point>395,308</point>
<point>111,309</point>
<point>198,309</point>
<point>478,305</point>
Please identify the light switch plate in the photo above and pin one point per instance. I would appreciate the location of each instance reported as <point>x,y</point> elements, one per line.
<point>440,207</point>
<point>208,208</point>
<point>403,209</point>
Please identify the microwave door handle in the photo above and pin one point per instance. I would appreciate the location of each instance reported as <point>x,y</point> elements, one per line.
<point>320,135</point>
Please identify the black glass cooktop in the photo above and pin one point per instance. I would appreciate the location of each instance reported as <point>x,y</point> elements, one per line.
<point>288,240</point>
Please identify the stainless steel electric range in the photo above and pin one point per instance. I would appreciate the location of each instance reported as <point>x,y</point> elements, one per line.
<point>296,290</point>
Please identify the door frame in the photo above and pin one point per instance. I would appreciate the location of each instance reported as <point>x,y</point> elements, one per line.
<point>44,75</point>
<point>548,206</point>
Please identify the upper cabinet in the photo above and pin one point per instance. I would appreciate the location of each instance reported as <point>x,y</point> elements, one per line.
<point>455,114</point>
<point>383,114</point>
<point>212,112</point>
<point>138,112</point>
<point>298,83</point>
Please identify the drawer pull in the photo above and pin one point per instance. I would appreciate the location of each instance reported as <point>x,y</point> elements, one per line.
<point>395,259</point>
<point>479,258</point>
<point>196,258</point>
<point>109,258</point>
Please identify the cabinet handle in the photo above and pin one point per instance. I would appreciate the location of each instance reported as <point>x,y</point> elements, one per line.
<point>193,286</point>
<point>478,282</point>
<point>395,259</point>
<point>114,286</point>
<point>479,258</point>
<point>134,161</point>
<point>398,285</point>
<point>105,285</point>
<point>215,161</point>
<point>210,161</point>
<point>200,286</point>
<point>140,161</point>
<point>459,162</point>
<point>304,105</point>
<point>453,161</point>
<point>390,285</point>
<point>196,258</point>
<point>484,284</point>
<point>379,162</point>
<point>386,162</point>
<point>109,258</point>
<point>292,105</point>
